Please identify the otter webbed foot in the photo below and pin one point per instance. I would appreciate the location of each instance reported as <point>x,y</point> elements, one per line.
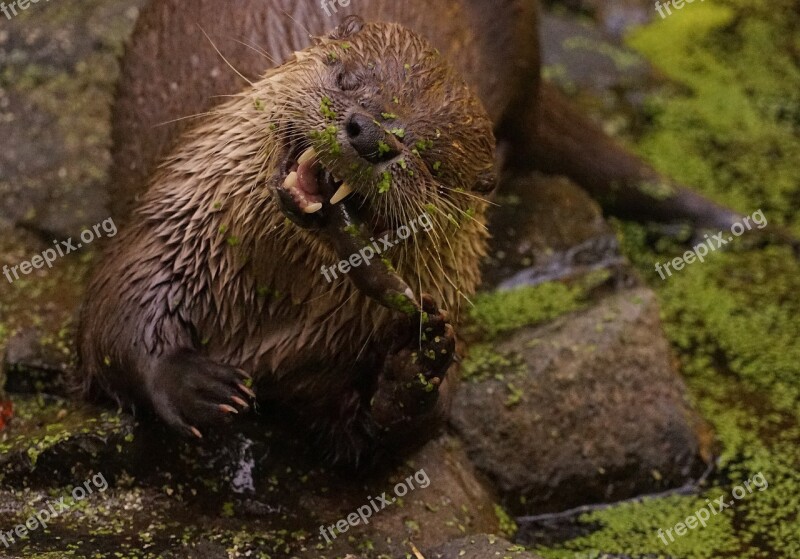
<point>413,372</point>
<point>403,397</point>
<point>188,391</point>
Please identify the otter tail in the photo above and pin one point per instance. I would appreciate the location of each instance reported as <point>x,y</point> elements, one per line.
<point>568,143</point>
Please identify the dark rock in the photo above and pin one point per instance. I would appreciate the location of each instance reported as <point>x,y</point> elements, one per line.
<point>34,365</point>
<point>51,441</point>
<point>615,17</point>
<point>597,411</point>
<point>480,547</point>
<point>251,488</point>
<point>545,229</point>
<point>581,56</point>
<point>59,64</point>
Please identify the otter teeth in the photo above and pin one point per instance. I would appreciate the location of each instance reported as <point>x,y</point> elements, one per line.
<point>307,156</point>
<point>342,193</point>
<point>290,183</point>
<point>291,180</point>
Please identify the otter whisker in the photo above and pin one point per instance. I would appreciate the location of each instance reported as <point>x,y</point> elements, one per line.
<point>223,57</point>
<point>259,50</point>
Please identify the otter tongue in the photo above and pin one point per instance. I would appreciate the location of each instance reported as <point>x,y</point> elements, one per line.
<point>307,181</point>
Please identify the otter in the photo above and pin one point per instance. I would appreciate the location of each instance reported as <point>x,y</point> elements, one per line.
<point>405,109</point>
<point>217,279</point>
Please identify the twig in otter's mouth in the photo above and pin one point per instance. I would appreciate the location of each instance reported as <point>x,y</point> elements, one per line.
<point>349,235</point>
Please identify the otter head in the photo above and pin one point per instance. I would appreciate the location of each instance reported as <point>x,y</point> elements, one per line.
<point>373,115</point>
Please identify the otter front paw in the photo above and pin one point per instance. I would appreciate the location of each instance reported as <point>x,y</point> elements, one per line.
<point>188,391</point>
<point>408,386</point>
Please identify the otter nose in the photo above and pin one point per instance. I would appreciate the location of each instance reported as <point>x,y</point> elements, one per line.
<point>365,134</point>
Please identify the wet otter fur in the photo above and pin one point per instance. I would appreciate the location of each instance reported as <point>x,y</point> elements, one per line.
<point>210,284</point>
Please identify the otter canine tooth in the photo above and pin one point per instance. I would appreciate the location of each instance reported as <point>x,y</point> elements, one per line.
<point>291,180</point>
<point>341,194</point>
<point>313,208</point>
<point>308,155</point>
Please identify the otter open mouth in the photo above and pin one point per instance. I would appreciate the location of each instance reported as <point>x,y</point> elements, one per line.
<point>313,198</point>
<point>309,191</point>
<point>309,184</point>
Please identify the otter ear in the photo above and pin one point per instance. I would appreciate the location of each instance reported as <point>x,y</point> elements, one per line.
<point>349,27</point>
<point>486,183</point>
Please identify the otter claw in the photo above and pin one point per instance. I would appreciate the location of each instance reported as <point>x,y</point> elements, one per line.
<point>239,402</point>
<point>192,390</point>
<point>246,390</point>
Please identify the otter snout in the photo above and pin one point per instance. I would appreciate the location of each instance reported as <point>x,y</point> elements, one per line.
<point>369,138</point>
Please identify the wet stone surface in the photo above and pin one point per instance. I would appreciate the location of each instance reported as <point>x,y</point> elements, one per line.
<point>584,409</point>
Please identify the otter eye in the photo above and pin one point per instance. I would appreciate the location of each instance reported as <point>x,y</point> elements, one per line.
<point>487,182</point>
<point>347,81</point>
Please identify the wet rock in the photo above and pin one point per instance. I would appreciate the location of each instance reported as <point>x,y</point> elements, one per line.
<point>36,364</point>
<point>615,17</point>
<point>578,55</point>
<point>247,489</point>
<point>454,502</point>
<point>480,547</point>
<point>585,409</point>
<point>545,229</point>
<point>59,68</point>
<point>51,441</point>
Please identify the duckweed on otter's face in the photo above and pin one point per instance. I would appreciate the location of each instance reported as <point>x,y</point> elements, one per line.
<point>390,125</point>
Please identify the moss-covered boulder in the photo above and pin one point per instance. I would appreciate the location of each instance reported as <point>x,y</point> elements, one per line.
<point>585,409</point>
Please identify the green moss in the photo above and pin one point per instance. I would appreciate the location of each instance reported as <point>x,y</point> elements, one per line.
<point>502,311</point>
<point>400,303</point>
<point>728,123</point>
<point>734,320</point>
<point>632,529</point>
<point>385,183</point>
<point>327,140</point>
<point>483,362</point>
<point>326,108</point>
<point>40,426</point>
<point>507,525</point>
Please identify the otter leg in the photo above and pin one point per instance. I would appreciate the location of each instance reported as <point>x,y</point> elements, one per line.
<point>188,390</point>
<point>402,405</point>
<point>412,373</point>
